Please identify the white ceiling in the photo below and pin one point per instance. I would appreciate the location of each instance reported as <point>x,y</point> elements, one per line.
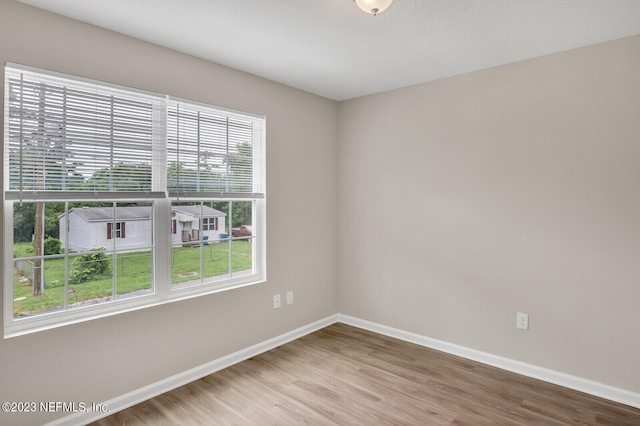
<point>331,48</point>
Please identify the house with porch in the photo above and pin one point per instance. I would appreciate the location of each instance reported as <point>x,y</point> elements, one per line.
<point>93,227</point>
<point>186,226</point>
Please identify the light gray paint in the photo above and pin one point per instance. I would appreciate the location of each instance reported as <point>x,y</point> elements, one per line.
<point>514,189</point>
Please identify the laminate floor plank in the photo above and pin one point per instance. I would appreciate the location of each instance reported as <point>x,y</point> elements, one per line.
<point>374,385</point>
<point>342,375</point>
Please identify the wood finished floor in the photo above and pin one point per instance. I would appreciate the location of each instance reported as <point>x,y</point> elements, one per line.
<point>343,375</point>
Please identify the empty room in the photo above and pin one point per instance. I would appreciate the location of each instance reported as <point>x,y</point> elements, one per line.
<point>320,212</point>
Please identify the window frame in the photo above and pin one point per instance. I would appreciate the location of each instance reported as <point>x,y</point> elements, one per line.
<point>161,200</point>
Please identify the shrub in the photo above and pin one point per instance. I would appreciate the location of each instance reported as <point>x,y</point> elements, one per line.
<point>52,246</point>
<point>89,266</point>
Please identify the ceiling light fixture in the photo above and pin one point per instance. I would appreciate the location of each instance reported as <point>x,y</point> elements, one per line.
<point>373,6</point>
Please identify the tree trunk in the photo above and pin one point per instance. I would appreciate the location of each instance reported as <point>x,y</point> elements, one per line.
<point>38,232</point>
<point>38,282</point>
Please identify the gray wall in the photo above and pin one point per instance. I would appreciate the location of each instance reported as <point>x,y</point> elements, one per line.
<point>465,200</point>
<point>101,359</point>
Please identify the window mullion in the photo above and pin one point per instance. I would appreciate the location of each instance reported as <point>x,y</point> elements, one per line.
<point>230,239</point>
<point>161,240</point>
<point>114,247</point>
<point>201,242</point>
<point>21,143</point>
<point>66,256</point>
<point>159,147</point>
<point>162,248</point>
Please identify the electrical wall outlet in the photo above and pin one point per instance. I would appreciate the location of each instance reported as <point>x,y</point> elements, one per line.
<point>289,298</point>
<point>277,303</point>
<point>522,321</point>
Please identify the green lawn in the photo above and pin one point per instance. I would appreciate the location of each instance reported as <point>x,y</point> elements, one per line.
<point>133,273</point>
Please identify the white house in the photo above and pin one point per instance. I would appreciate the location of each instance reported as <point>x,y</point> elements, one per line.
<point>185,224</point>
<point>93,227</point>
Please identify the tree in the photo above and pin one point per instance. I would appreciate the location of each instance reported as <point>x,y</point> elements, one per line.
<point>39,156</point>
<point>24,220</point>
<point>240,178</point>
<point>240,168</point>
<point>38,232</point>
<point>202,178</point>
<point>121,177</point>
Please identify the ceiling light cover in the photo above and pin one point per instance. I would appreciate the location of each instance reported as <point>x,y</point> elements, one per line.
<point>373,6</point>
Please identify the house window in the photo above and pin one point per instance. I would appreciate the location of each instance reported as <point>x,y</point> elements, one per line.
<point>94,173</point>
<point>209,223</point>
<point>119,231</point>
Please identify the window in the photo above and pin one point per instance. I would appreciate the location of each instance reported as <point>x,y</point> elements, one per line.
<point>121,199</point>
<point>209,223</point>
<point>119,231</point>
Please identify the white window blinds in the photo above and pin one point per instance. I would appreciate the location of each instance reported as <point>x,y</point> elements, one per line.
<point>76,136</point>
<point>213,152</point>
<point>72,138</point>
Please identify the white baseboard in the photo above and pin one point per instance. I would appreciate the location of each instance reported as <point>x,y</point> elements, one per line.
<point>566,380</point>
<point>139,395</point>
